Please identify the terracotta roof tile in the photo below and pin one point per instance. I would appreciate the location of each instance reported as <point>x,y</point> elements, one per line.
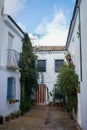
<point>51,48</point>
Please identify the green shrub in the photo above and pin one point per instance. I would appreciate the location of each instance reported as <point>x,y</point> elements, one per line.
<point>68,81</point>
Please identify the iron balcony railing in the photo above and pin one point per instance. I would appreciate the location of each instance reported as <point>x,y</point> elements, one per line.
<point>12,59</point>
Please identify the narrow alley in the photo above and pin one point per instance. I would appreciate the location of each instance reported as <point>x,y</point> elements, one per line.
<point>42,118</point>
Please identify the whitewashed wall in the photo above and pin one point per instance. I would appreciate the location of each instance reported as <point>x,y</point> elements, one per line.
<point>74,48</point>
<point>1,26</point>
<point>5,107</point>
<point>83,8</point>
<point>50,76</point>
<point>17,43</point>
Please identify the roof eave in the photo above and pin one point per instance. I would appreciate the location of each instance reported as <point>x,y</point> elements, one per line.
<point>77,3</point>
<point>11,19</point>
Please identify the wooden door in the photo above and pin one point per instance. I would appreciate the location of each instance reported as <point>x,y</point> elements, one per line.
<point>41,95</point>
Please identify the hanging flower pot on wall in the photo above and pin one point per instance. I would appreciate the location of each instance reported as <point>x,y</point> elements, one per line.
<point>78,89</point>
<point>12,101</point>
<point>68,57</point>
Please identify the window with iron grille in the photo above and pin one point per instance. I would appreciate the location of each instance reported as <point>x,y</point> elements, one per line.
<point>57,93</point>
<point>41,65</point>
<point>58,64</point>
<point>11,88</point>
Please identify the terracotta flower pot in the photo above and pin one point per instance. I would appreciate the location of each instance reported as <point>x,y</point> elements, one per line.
<point>7,118</point>
<point>78,89</point>
<point>68,57</point>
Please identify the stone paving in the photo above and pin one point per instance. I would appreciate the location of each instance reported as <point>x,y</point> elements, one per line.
<point>42,118</point>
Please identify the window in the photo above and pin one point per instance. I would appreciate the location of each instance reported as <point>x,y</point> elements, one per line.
<point>10,40</point>
<point>41,65</point>
<point>57,93</point>
<point>58,64</point>
<point>11,88</point>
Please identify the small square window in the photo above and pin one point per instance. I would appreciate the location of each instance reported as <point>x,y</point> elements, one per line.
<point>41,65</point>
<point>58,64</point>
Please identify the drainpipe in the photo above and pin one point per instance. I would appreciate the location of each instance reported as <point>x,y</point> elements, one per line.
<point>80,42</point>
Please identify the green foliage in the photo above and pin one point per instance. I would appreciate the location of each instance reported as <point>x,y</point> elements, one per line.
<point>29,75</point>
<point>1,119</point>
<point>68,81</point>
<point>1,116</point>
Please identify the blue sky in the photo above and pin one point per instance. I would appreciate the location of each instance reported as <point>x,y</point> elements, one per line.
<point>50,18</point>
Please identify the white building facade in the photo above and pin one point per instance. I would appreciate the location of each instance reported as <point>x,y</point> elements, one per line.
<point>49,60</point>
<point>10,47</point>
<point>76,45</point>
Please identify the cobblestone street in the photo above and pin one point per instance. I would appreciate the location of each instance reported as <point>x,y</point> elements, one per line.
<point>42,118</point>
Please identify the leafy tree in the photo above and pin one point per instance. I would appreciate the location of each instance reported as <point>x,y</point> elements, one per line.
<point>28,80</point>
<point>68,81</point>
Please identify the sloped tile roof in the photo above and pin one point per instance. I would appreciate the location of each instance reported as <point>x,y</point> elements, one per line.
<point>51,48</point>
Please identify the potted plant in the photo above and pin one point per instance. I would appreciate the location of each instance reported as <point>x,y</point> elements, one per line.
<point>10,101</point>
<point>65,64</point>
<point>7,118</point>
<point>1,119</point>
<point>78,87</point>
<point>12,115</point>
<point>20,112</point>
<point>68,57</point>
<point>16,100</point>
<point>17,114</point>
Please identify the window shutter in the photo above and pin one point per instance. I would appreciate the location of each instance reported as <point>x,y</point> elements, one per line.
<point>9,88</point>
<point>14,89</point>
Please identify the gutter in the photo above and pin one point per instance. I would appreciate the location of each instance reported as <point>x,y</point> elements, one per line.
<point>16,24</point>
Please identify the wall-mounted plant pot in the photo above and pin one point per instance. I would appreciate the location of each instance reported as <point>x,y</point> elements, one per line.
<point>10,101</point>
<point>78,89</point>
<point>68,57</point>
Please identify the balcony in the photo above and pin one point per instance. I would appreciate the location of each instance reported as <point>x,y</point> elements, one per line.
<point>12,59</point>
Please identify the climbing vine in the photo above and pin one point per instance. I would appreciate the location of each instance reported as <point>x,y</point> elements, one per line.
<point>29,75</point>
<point>68,81</point>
